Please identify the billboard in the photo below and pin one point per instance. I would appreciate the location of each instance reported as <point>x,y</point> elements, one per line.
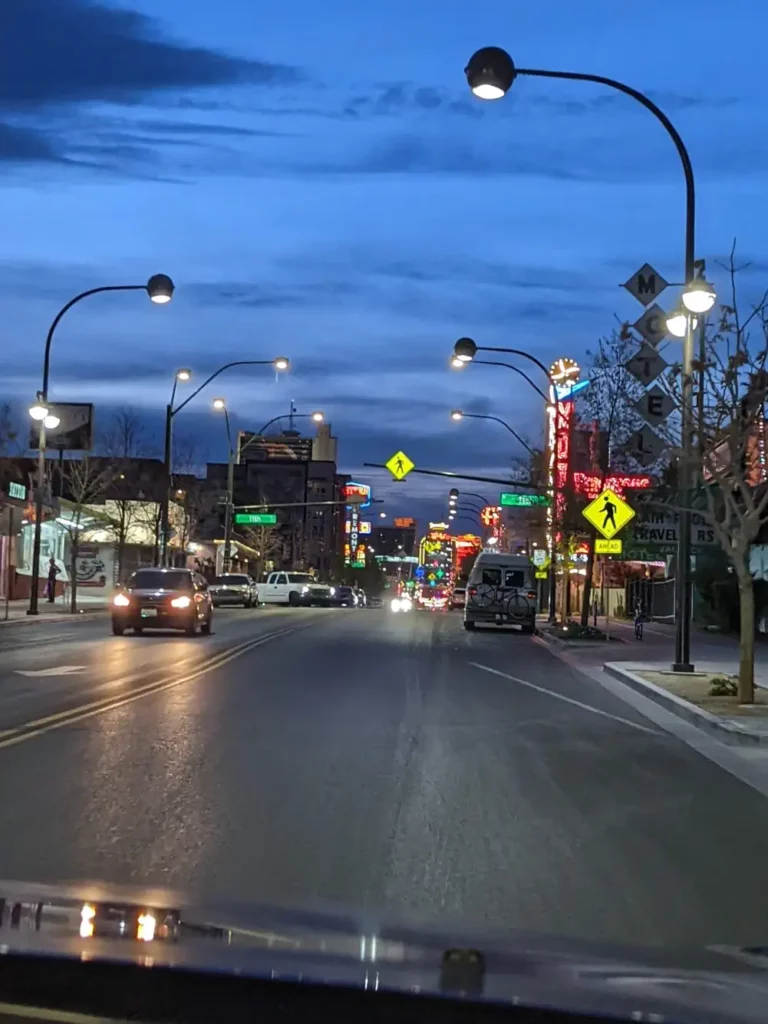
<point>404,523</point>
<point>74,432</point>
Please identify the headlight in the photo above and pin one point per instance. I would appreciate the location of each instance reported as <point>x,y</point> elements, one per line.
<point>181,602</point>
<point>332,591</point>
<point>405,604</point>
<point>121,600</point>
<point>305,590</point>
<point>394,604</point>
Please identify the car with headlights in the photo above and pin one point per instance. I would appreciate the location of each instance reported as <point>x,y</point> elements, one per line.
<point>163,599</point>
<point>296,589</point>
<point>234,588</point>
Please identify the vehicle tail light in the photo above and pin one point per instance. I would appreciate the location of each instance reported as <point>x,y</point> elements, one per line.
<point>121,600</point>
<point>532,593</point>
<point>472,591</point>
<point>180,602</point>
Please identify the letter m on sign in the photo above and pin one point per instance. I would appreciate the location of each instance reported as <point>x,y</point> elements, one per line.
<point>646,284</point>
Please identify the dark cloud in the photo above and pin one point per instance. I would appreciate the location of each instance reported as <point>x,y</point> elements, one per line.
<point>27,145</point>
<point>64,51</point>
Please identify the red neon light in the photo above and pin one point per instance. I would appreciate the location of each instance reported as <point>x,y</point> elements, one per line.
<point>592,484</point>
<point>490,515</point>
<point>563,415</point>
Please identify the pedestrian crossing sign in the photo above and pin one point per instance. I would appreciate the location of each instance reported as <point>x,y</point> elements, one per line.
<point>400,465</point>
<point>608,513</point>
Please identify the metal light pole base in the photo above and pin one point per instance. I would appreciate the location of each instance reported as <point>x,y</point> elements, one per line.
<point>30,612</point>
<point>682,666</point>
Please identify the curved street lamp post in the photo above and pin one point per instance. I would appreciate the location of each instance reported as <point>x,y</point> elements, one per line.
<point>160,290</point>
<point>490,73</point>
<point>280,363</point>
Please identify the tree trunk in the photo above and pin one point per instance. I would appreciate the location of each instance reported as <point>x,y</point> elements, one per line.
<point>746,639</point>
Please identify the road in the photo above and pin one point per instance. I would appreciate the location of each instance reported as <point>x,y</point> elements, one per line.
<point>369,760</point>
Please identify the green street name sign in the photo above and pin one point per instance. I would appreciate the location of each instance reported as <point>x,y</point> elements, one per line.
<point>17,491</point>
<point>517,500</point>
<point>255,519</point>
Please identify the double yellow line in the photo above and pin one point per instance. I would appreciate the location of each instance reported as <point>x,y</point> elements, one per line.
<point>10,737</point>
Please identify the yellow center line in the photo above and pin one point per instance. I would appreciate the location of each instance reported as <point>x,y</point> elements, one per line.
<point>10,737</point>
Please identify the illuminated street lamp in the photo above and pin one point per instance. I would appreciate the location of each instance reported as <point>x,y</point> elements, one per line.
<point>219,404</point>
<point>279,363</point>
<point>458,414</point>
<point>699,296</point>
<point>490,74</point>
<point>464,350</point>
<point>677,322</point>
<point>160,290</point>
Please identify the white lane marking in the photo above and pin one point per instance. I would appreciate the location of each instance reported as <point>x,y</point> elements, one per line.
<point>62,670</point>
<point>568,700</point>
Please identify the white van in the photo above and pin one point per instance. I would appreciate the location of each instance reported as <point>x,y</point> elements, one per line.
<point>501,592</point>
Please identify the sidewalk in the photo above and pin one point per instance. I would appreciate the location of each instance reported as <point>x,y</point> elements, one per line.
<point>88,606</point>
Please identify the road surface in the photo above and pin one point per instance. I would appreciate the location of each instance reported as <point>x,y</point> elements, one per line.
<point>369,760</point>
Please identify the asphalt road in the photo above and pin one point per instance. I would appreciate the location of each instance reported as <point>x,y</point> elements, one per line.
<point>369,760</point>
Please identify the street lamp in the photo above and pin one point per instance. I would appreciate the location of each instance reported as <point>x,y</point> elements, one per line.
<point>316,417</point>
<point>677,322</point>
<point>699,296</point>
<point>279,363</point>
<point>458,415</point>
<point>160,290</point>
<point>490,73</point>
<point>220,405</point>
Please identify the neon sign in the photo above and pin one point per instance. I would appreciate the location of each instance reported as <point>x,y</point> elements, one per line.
<point>592,484</point>
<point>355,490</point>
<point>564,370</point>
<point>490,515</point>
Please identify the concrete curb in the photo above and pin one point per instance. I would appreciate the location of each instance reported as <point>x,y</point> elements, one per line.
<point>703,720</point>
<point>64,617</point>
<point>576,645</point>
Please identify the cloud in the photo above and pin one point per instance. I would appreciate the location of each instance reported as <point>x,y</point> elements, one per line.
<point>74,51</point>
<point>27,145</point>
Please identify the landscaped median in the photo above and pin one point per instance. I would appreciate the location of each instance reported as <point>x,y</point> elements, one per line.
<point>706,698</point>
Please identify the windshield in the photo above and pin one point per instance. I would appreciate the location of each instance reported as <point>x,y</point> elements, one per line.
<point>310,308</point>
<point>154,579</point>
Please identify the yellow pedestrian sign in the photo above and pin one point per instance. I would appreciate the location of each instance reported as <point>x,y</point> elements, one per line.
<point>608,513</point>
<point>400,465</point>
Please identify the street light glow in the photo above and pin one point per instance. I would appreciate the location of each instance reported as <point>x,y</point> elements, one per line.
<point>183,374</point>
<point>317,417</point>
<point>51,421</point>
<point>677,322</point>
<point>699,296</point>
<point>465,350</point>
<point>39,410</point>
<point>457,364</point>
<point>457,414</point>
<point>382,515</point>
<point>490,72</point>
<point>160,289</point>
<point>281,363</point>
<point>219,404</point>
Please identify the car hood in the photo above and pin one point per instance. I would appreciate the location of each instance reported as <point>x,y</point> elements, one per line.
<point>157,592</point>
<point>227,586</point>
<point>723,983</point>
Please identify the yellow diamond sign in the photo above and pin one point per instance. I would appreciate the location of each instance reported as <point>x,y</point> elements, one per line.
<point>609,513</point>
<point>400,465</point>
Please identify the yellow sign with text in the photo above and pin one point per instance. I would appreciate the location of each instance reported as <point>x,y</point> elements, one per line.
<point>608,513</point>
<point>608,547</point>
<point>400,465</point>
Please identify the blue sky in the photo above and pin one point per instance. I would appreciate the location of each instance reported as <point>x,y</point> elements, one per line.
<point>320,183</point>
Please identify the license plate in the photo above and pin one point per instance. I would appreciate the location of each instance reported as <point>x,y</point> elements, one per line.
<point>149,613</point>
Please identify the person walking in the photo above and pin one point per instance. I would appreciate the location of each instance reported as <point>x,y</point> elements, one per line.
<point>50,587</point>
<point>638,621</point>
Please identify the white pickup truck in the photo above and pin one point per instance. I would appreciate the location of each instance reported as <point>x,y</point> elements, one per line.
<point>295,588</point>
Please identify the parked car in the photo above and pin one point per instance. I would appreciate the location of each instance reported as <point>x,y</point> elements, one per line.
<point>501,591</point>
<point>163,599</point>
<point>295,588</point>
<point>234,588</point>
<point>458,597</point>
<point>346,597</point>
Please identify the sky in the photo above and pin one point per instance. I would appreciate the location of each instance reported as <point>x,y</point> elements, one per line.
<point>320,183</point>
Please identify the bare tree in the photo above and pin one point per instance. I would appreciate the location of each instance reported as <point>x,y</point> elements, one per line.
<point>124,439</point>
<point>728,467</point>
<point>84,483</point>
<point>608,401</point>
<point>267,541</point>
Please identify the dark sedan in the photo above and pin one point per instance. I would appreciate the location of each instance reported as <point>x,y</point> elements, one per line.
<point>163,599</point>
